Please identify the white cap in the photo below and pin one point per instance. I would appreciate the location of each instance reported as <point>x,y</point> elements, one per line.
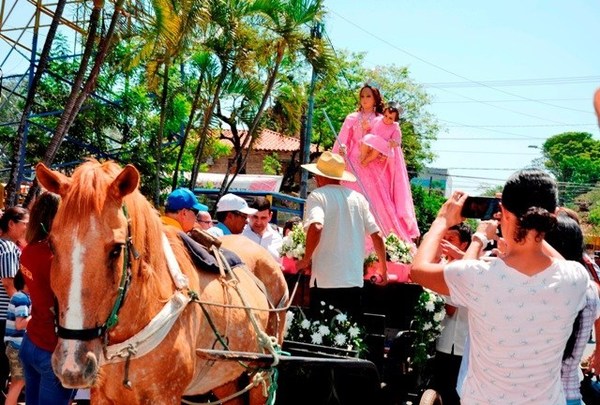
<point>231,202</point>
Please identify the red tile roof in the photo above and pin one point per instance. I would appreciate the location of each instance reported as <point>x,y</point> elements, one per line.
<point>271,141</point>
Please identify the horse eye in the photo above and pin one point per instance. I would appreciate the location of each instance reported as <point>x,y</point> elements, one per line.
<point>116,251</point>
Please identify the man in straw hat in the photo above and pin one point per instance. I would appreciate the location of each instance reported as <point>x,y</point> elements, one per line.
<point>337,220</point>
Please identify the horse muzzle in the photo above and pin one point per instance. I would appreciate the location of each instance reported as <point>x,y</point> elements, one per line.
<point>75,362</point>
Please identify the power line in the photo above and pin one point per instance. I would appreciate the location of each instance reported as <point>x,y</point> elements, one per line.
<point>479,83</point>
<point>509,100</point>
<point>518,82</point>
<point>525,126</point>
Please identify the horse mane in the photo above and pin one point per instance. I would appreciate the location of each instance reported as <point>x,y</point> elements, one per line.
<point>88,196</point>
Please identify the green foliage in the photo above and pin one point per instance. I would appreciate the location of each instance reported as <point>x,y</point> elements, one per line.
<point>271,164</point>
<point>574,158</point>
<point>427,204</point>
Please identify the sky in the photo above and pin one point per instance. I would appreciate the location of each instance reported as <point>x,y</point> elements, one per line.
<point>504,76</point>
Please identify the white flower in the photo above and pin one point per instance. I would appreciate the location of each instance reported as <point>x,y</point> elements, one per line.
<point>340,339</point>
<point>427,326</point>
<point>353,331</point>
<point>324,330</point>
<point>316,338</point>
<point>430,306</point>
<point>305,324</point>
<point>341,318</point>
<point>439,316</point>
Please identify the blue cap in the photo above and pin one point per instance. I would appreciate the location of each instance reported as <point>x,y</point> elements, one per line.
<point>184,198</point>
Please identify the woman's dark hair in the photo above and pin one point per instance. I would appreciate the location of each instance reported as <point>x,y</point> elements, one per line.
<point>567,239</point>
<point>532,196</point>
<point>289,224</point>
<point>14,214</point>
<point>376,96</point>
<point>42,214</point>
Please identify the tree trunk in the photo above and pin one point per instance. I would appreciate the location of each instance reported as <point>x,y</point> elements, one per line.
<point>161,130</point>
<point>250,138</point>
<point>12,187</point>
<point>71,111</point>
<point>186,134</point>
<point>208,113</point>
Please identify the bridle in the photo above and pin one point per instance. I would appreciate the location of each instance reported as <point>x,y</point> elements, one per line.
<point>100,331</point>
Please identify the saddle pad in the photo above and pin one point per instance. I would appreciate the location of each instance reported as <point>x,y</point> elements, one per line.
<point>203,259</point>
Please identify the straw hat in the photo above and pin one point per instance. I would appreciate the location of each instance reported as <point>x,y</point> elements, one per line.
<point>330,165</point>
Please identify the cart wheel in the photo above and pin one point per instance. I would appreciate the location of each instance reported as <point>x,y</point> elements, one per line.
<point>431,397</point>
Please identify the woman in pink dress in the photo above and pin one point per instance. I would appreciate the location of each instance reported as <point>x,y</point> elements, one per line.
<point>383,180</point>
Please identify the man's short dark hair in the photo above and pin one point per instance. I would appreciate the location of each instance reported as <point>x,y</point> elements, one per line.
<point>464,232</point>
<point>261,204</point>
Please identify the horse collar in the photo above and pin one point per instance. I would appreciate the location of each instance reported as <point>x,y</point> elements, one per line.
<point>113,318</point>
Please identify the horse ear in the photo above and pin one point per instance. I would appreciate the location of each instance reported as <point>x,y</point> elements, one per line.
<point>51,180</point>
<point>126,182</point>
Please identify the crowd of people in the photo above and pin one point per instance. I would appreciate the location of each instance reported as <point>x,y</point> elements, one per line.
<point>522,295</point>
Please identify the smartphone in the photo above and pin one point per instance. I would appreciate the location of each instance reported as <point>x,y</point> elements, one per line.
<point>480,207</point>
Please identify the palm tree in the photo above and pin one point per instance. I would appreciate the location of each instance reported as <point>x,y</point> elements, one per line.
<point>19,142</point>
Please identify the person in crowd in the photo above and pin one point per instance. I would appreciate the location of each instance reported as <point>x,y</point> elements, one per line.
<point>451,342</point>
<point>18,315</point>
<point>181,209</point>
<point>41,384</point>
<point>289,224</point>
<point>384,182</point>
<point>521,305</point>
<point>13,224</point>
<point>232,214</point>
<point>567,239</point>
<point>337,221</point>
<point>207,224</point>
<point>259,227</point>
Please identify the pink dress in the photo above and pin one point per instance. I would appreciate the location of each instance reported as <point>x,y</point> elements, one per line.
<point>383,181</point>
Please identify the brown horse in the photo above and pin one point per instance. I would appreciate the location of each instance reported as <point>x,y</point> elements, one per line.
<point>128,311</point>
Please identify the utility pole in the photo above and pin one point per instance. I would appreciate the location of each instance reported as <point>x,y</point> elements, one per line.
<point>316,32</point>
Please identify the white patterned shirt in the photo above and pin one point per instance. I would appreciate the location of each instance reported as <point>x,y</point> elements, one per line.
<point>518,328</point>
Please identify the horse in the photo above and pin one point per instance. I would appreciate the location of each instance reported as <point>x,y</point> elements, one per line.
<point>132,310</point>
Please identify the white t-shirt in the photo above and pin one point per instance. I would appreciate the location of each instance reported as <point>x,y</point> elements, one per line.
<point>270,240</point>
<point>337,261</point>
<point>518,328</point>
<point>454,335</point>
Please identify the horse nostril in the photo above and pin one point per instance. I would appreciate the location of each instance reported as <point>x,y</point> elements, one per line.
<point>91,366</point>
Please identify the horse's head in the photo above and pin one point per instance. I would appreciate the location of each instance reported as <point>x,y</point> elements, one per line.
<point>89,240</point>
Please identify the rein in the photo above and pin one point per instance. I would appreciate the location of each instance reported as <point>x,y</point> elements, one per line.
<point>113,318</point>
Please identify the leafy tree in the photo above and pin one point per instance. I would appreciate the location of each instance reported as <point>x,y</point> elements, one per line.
<point>427,204</point>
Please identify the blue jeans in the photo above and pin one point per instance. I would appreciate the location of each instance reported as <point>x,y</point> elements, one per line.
<point>42,387</point>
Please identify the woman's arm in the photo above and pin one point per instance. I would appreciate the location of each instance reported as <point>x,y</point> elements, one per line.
<point>425,270</point>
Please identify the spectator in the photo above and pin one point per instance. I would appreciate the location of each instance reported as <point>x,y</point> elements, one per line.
<point>17,317</point>
<point>41,384</point>
<point>289,224</point>
<point>206,223</point>
<point>232,214</point>
<point>567,239</point>
<point>521,306</point>
<point>337,221</point>
<point>181,209</point>
<point>13,224</point>
<point>451,342</point>
<point>259,227</point>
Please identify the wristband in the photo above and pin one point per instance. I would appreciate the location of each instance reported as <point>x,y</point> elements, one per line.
<point>480,236</point>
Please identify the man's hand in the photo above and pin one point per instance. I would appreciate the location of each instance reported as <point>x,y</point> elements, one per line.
<point>303,264</point>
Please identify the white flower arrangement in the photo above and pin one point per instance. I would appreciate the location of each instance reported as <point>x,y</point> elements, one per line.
<point>397,251</point>
<point>333,329</point>
<point>429,313</point>
<point>294,244</point>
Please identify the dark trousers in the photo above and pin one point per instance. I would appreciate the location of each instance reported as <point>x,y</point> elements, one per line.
<point>347,300</point>
<point>445,374</point>
<point>4,367</point>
